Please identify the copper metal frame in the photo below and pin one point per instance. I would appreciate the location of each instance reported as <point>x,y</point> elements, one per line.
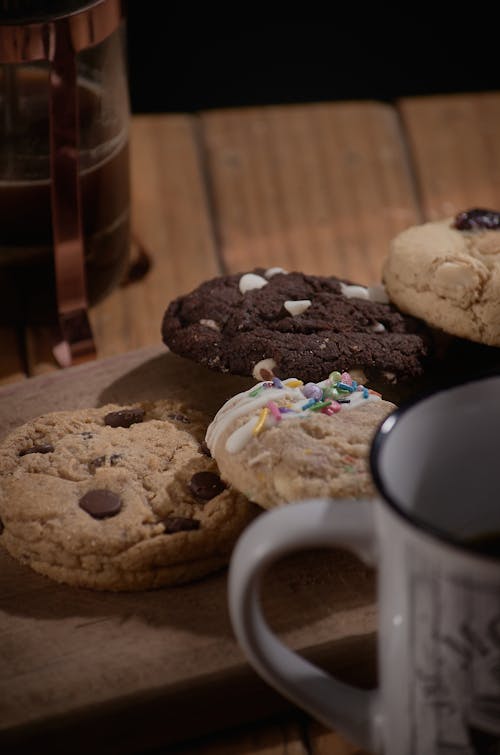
<point>86,28</point>
<point>57,41</point>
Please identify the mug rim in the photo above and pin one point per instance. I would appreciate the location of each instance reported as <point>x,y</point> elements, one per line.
<point>381,435</point>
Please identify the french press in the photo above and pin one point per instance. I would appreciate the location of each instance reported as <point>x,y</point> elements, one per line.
<point>64,166</point>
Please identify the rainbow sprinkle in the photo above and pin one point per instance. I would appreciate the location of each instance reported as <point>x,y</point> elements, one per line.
<point>261,420</point>
<point>256,391</point>
<point>346,387</point>
<point>274,409</point>
<point>320,405</point>
<point>293,383</point>
<point>308,404</point>
<point>326,398</point>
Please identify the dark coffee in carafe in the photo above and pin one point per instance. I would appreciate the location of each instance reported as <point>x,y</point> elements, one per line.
<point>28,291</point>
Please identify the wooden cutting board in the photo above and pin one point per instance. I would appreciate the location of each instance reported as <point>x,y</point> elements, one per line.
<point>124,672</point>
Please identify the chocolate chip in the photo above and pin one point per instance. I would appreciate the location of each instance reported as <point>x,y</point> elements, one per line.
<point>43,448</point>
<point>101,503</point>
<point>174,524</point>
<point>204,449</point>
<point>124,417</point>
<point>100,461</point>
<point>177,417</point>
<point>1,527</point>
<point>87,435</point>
<point>206,485</point>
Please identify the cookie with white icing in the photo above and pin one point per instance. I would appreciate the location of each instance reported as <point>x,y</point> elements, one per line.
<point>283,441</point>
<point>269,322</point>
<point>448,273</point>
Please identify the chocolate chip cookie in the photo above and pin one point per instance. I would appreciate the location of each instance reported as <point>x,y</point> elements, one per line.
<point>117,498</point>
<point>283,441</point>
<point>448,273</point>
<point>269,322</point>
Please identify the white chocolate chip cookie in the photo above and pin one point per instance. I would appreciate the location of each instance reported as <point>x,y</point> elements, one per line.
<point>448,273</point>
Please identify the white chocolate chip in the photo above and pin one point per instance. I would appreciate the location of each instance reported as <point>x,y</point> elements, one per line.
<point>378,327</point>
<point>274,271</point>
<point>354,292</point>
<point>358,375</point>
<point>250,281</point>
<point>378,293</point>
<point>460,280</point>
<point>487,242</point>
<point>266,365</point>
<point>390,377</point>
<point>297,307</point>
<point>375,293</point>
<point>210,324</point>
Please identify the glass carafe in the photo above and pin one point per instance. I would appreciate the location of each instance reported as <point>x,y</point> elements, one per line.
<point>64,165</point>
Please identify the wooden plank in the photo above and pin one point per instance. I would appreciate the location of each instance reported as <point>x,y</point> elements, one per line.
<point>289,736</point>
<point>325,742</point>
<point>284,737</point>
<point>157,666</point>
<point>454,141</point>
<point>170,219</point>
<point>11,358</point>
<point>318,188</point>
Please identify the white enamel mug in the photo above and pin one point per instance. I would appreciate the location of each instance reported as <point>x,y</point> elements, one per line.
<point>436,465</point>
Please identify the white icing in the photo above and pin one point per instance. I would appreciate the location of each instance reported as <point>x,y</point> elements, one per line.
<point>297,307</point>
<point>264,364</point>
<point>238,440</point>
<point>249,281</point>
<point>240,405</point>
<point>245,404</point>
<point>274,271</point>
<point>378,327</point>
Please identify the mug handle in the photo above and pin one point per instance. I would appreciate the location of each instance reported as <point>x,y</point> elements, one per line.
<point>314,523</point>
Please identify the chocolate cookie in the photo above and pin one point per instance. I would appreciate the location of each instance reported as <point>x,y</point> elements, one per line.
<point>271,322</point>
<point>283,441</point>
<point>117,498</point>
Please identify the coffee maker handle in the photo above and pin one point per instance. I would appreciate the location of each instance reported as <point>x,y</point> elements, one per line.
<point>315,523</point>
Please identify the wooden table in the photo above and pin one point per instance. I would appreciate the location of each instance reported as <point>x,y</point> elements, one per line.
<point>320,188</point>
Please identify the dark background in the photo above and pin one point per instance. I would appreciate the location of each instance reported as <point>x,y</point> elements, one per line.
<point>180,61</point>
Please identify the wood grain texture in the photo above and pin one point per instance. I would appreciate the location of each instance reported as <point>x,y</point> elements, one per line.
<point>11,360</point>
<point>454,142</point>
<point>283,737</point>
<point>324,742</point>
<point>318,188</point>
<point>321,188</point>
<point>290,735</point>
<point>170,219</point>
<point>73,659</point>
